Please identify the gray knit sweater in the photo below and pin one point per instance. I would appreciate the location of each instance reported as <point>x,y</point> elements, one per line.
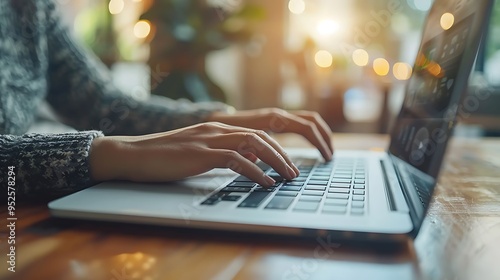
<point>40,61</point>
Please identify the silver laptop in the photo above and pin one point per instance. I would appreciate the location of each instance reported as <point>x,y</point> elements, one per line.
<point>358,195</point>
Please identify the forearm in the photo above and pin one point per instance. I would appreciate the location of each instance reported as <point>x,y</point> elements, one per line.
<point>83,94</point>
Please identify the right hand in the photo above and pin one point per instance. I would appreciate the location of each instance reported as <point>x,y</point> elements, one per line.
<point>189,151</point>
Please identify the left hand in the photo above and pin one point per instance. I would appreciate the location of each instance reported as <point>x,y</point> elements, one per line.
<point>306,123</point>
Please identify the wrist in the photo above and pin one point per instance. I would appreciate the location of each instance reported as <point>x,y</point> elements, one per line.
<point>219,116</point>
<point>104,159</point>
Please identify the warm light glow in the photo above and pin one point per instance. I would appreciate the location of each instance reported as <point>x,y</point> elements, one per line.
<point>402,71</point>
<point>447,20</point>
<point>323,59</point>
<point>142,29</point>
<point>327,27</point>
<point>360,57</point>
<point>381,66</point>
<point>297,6</point>
<point>435,69</point>
<point>116,6</point>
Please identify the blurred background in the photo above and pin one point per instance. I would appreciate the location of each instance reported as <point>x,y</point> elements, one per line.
<point>348,60</point>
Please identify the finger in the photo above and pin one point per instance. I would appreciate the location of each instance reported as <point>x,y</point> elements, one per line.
<point>249,142</point>
<point>266,137</point>
<point>297,125</point>
<point>221,158</point>
<point>309,130</point>
<point>251,157</point>
<point>323,127</point>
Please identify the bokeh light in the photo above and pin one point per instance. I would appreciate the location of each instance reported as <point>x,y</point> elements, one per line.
<point>116,6</point>
<point>360,57</point>
<point>435,69</point>
<point>327,27</point>
<point>421,5</point>
<point>381,66</point>
<point>447,20</point>
<point>297,6</point>
<point>142,29</point>
<point>402,71</point>
<point>323,59</point>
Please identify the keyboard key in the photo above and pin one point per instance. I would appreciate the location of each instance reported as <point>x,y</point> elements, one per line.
<point>337,185</point>
<point>242,184</point>
<point>236,189</point>
<point>344,181</point>
<point>253,200</point>
<point>310,198</point>
<point>307,206</point>
<point>359,192</point>
<point>342,173</point>
<point>323,174</point>
<point>358,197</point>
<point>334,209</point>
<point>213,199</point>
<point>357,211</point>
<point>338,190</point>
<point>290,188</point>
<point>299,179</point>
<point>358,204</point>
<point>242,178</point>
<point>231,198</point>
<point>287,193</point>
<point>338,195</point>
<point>315,188</point>
<point>359,181</point>
<point>333,201</point>
<point>305,168</point>
<point>359,177</point>
<point>313,193</point>
<point>210,202</point>
<point>341,176</point>
<point>320,178</point>
<point>316,182</point>
<point>323,170</point>
<point>280,202</point>
<point>293,183</point>
<point>262,189</point>
<point>277,178</point>
<point>359,187</point>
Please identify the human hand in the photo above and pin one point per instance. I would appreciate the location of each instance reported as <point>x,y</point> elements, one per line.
<point>188,151</point>
<point>308,124</point>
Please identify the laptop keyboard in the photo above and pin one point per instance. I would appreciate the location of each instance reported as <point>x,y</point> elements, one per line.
<point>335,187</point>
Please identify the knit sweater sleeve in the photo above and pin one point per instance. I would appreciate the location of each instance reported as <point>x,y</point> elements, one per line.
<point>81,91</point>
<point>52,165</point>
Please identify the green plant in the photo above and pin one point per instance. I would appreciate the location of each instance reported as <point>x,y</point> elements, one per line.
<point>184,32</point>
<point>198,27</point>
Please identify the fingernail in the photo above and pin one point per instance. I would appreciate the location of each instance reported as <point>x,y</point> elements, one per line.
<point>270,181</point>
<point>296,169</point>
<point>291,172</point>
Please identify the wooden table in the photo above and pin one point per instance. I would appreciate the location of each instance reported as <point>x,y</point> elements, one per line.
<point>460,238</point>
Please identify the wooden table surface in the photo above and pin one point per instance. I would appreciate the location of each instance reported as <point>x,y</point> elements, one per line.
<point>460,238</point>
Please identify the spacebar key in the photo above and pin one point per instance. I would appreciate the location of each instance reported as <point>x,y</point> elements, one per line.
<point>254,199</point>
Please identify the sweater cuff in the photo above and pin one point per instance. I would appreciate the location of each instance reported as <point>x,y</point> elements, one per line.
<point>48,164</point>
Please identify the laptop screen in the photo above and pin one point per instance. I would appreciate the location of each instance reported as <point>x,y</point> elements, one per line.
<point>434,92</point>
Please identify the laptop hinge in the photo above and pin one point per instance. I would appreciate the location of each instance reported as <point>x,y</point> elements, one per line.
<point>389,194</point>
<point>413,213</point>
